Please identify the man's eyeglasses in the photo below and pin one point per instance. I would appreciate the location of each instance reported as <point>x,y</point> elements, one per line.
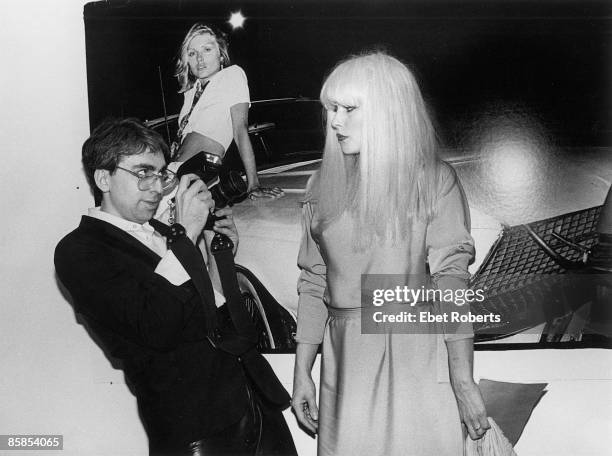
<point>148,179</point>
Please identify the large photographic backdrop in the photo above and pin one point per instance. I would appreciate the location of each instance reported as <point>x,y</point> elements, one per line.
<point>546,61</point>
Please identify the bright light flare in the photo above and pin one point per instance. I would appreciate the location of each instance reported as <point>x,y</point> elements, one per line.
<point>515,171</point>
<point>513,164</point>
<point>236,20</point>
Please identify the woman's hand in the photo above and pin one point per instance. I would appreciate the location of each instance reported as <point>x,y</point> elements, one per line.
<point>266,192</point>
<point>469,400</point>
<point>471,409</point>
<point>304,402</point>
<point>226,225</point>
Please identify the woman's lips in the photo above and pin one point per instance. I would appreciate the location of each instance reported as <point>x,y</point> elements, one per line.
<point>341,137</point>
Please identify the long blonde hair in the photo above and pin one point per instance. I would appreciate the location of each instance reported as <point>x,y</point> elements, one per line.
<point>393,178</point>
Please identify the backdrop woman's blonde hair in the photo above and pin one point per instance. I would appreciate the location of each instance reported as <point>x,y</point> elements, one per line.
<point>393,179</point>
<point>182,73</point>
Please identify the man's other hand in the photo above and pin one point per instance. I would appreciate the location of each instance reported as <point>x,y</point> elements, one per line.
<point>225,225</point>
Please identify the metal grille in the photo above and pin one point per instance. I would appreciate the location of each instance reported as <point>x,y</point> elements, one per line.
<point>523,284</point>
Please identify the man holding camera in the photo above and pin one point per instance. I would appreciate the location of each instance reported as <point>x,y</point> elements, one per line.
<point>201,386</point>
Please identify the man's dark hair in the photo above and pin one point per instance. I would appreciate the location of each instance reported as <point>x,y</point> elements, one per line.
<point>116,138</point>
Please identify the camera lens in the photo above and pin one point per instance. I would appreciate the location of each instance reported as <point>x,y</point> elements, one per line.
<point>229,190</point>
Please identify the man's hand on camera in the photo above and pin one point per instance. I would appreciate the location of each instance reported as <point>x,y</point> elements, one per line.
<point>193,205</point>
<point>225,225</point>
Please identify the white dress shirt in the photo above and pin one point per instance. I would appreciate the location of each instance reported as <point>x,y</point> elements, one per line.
<point>169,266</point>
<point>211,116</point>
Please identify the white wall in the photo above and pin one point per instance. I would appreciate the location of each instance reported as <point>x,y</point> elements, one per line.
<point>47,361</point>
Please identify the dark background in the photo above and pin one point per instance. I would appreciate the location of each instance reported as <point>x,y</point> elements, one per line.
<point>548,62</point>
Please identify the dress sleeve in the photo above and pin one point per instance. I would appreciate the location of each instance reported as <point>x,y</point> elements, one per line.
<point>450,249</point>
<point>312,311</point>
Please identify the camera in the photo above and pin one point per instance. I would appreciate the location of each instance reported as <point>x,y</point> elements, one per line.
<point>226,186</point>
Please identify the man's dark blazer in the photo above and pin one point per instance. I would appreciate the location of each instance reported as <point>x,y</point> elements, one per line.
<point>186,388</point>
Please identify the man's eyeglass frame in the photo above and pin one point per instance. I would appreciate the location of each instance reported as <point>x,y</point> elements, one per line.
<point>166,177</point>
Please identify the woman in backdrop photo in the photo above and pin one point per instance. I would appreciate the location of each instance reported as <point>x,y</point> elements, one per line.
<point>382,203</point>
<point>216,104</point>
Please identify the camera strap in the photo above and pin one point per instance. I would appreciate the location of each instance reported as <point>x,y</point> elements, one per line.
<point>246,337</point>
<point>243,344</point>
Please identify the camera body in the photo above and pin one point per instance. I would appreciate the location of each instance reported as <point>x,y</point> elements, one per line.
<point>226,186</point>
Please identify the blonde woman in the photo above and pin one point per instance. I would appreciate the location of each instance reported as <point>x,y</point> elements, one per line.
<point>216,104</point>
<point>382,203</point>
